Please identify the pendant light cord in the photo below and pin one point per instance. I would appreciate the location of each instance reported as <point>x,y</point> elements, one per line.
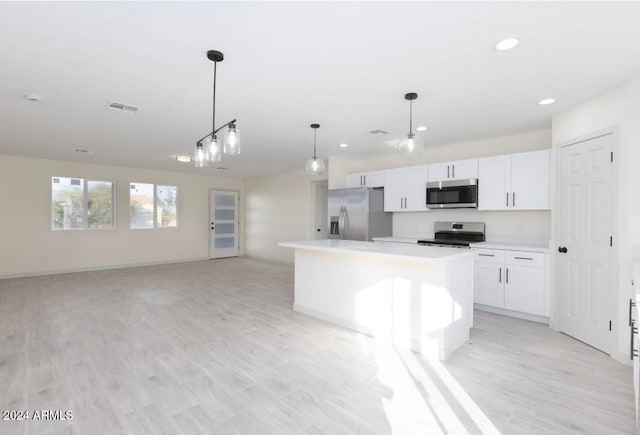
<point>213,124</point>
<point>314,143</point>
<point>410,117</point>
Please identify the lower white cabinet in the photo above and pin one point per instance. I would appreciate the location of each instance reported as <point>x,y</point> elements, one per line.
<point>513,280</point>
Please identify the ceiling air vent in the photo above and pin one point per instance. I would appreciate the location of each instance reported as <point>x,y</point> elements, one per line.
<point>377,131</point>
<point>121,107</point>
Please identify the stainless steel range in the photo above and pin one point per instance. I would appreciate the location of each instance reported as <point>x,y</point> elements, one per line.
<point>455,234</point>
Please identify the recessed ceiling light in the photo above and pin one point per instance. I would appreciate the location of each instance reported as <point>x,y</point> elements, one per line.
<point>183,159</point>
<point>421,128</point>
<point>83,151</point>
<point>344,145</point>
<point>546,101</point>
<point>507,44</point>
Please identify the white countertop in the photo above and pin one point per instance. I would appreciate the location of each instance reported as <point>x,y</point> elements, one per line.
<point>395,250</point>
<point>512,246</point>
<point>509,246</point>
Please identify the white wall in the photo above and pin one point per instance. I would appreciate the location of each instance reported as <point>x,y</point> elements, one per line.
<point>278,208</point>
<point>617,110</point>
<point>633,162</point>
<point>29,246</point>
<point>526,226</point>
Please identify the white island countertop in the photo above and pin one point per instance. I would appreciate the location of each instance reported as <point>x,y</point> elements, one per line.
<point>510,246</point>
<point>395,250</point>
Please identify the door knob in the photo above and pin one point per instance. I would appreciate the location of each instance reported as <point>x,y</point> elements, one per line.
<point>562,249</point>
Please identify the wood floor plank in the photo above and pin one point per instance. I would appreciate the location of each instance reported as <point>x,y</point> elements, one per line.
<point>215,347</point>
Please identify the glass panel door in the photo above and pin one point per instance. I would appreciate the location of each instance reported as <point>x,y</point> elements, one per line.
<point>223,238</point>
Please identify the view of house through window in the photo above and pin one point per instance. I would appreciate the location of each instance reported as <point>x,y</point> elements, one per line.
<point>153,206</point>
<point>77,205</point>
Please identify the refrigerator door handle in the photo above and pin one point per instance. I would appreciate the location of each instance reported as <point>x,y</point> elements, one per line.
<point>341,222</point>
<point>346,223</point>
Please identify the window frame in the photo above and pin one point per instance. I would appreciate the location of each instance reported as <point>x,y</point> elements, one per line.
<point>85,205</point>
<point>155,206</point>
<point>113,205</point>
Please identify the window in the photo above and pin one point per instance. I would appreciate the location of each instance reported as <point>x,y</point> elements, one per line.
<point>166,206</point>
<point>153,206</point>
<point>99,204</point>
<point>77,204</point>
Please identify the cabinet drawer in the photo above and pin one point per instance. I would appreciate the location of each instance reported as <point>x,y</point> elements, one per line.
<point>490,255</point>
<point>524,258</point>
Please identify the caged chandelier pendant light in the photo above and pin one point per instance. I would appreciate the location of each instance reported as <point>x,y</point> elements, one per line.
<point>314,166</point>
<point>412,144</point>
<point>208,148</point>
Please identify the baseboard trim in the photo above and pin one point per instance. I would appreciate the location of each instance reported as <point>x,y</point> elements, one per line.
<point>510,313</point>
<point>98,268</point>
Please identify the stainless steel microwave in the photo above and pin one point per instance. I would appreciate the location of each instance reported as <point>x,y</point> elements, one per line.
<point>453,194</point>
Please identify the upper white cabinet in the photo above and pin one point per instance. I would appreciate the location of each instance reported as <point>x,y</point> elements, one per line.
<point>366,179</point>
<point>458,170</point>
<point>405,189</point>
<point>514,181</point>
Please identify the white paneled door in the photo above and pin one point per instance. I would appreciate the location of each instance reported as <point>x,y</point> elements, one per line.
<point>223,235</point>
<point>588,299</point>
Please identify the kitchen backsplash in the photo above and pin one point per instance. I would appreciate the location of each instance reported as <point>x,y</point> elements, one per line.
<point>526,226</point>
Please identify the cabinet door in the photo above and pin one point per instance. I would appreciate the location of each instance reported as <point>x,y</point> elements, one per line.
<point>374,179</point>
<point>439,171</point>
<point>355,180</point>
<point>494,183</point>
<point>415,192</point>
<point>488,284</point>
<point>530,180</point>
<point>524,289</point>
<point>464,169</point>
<point>394,189</point>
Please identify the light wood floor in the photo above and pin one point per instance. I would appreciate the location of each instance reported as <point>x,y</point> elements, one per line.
<point>214,347</point>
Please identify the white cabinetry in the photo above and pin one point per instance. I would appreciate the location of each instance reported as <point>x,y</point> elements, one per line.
<point>514,181</point>
<point>405,189</point>
<point>458,170</point>
<point>366,179</point>
<point>512,280</point>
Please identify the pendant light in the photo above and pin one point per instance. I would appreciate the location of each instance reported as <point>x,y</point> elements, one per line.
<point>314,166</point>
<point>209,149</point>
<point>412,144</point>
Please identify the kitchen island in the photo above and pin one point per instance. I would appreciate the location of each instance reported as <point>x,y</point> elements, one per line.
<point>415,297</point>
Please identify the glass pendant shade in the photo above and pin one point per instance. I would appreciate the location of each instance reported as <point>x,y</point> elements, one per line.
<point>411,146</point>
<point>214,152</point>
<point>315,166</point>
<point>200,156</point>
<point>232,141</point>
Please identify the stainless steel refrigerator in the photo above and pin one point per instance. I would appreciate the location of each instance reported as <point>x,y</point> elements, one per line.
<point>358,214</point>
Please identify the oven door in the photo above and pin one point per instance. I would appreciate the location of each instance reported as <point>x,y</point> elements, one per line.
<point>453,194</point>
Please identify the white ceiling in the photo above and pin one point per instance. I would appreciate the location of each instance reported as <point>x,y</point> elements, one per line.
<point>344,65</point>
